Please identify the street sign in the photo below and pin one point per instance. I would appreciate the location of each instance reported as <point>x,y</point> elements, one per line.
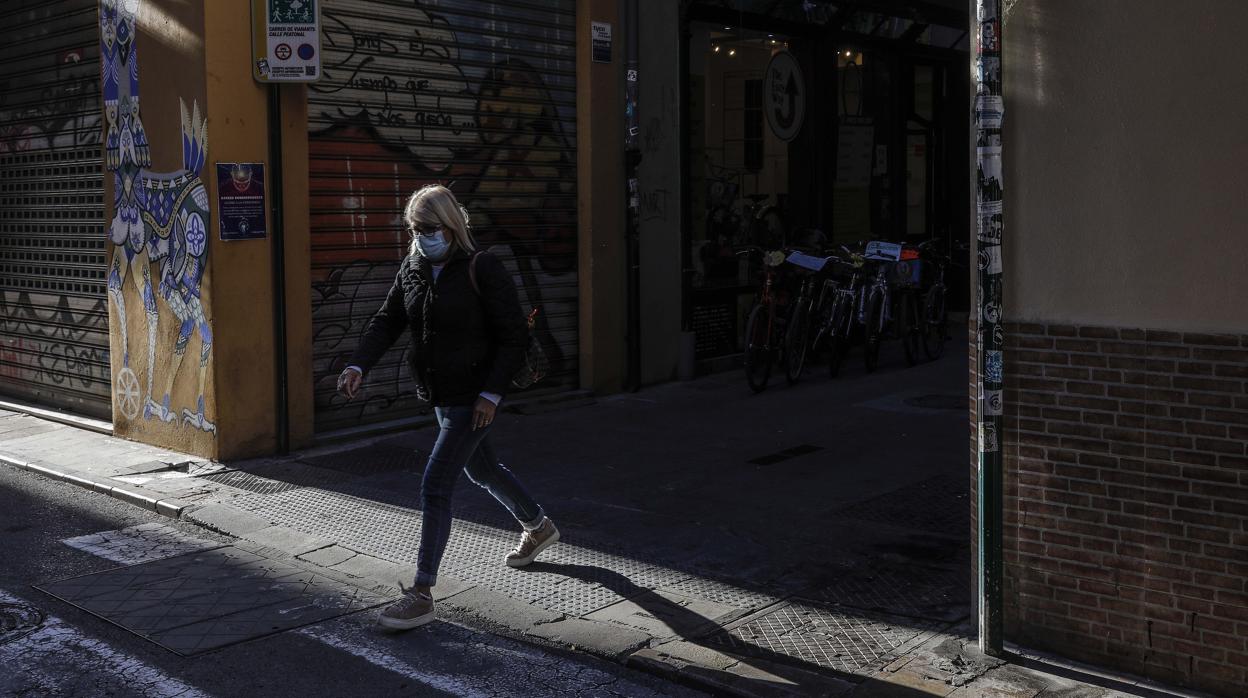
<point>286,40</point>
<point>784,96</point>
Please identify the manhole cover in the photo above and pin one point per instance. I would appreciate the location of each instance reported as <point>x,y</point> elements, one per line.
<point>18,620</point>
<point>940,402</point>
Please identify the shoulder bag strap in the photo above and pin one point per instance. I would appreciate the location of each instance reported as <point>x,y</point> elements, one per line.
<point>472,272</point>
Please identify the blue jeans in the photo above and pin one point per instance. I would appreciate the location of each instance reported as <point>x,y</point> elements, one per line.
<point>460,447</point>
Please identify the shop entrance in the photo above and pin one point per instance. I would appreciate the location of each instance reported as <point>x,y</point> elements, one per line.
<point>811,129</point>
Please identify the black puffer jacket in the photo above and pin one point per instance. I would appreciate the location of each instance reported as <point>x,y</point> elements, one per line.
<point>463,343</point>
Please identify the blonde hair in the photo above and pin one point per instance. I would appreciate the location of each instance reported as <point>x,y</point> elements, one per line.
<point>434,204</point>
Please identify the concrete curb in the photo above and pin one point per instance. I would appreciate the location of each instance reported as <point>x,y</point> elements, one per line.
<point>131,494</point>
<point>721,673</point>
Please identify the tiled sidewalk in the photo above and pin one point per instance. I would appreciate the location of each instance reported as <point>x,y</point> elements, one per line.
<point>870,627</point>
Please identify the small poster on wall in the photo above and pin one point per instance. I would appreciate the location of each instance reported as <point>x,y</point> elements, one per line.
<point>240,200</point>
<point>855,148</point>
<point>600,35</point>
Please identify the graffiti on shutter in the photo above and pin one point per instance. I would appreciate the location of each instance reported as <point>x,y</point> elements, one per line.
<point>53,317</point>
<point>476,95</point>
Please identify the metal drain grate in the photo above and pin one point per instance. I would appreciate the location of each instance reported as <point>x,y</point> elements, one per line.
<point>271,477</point>
<point>570,579</point>
<point>813,634</point>
<point>370,460</point>
<point>938,505</point>
<point>249,482</point>
<point>17,620</point>
<point>917,592</point>
<point>376,529</point>
<point>719,592</point>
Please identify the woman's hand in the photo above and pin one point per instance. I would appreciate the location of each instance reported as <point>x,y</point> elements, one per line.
<point>483,413</point>
<point>349,382</point>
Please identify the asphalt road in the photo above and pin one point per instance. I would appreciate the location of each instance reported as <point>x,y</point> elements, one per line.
<point>72,653</point>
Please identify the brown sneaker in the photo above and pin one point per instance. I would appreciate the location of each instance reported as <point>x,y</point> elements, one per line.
<point>532,543</point>
<point>412,611</point>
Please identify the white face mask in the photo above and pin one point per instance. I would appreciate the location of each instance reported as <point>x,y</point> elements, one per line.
<point>433,247</point>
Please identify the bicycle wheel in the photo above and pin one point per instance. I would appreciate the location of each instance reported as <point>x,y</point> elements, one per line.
<point>758,352</point>
<point>796,344</point>
<point>910,326</point>
<point>873,332</point>
<point>935,322</point>
<point>838,336</point>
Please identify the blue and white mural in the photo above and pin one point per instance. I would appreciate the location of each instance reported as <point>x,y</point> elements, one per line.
<point>158,217</point>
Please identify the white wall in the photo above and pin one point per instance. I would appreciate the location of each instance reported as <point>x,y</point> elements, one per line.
<point>1126,145</point>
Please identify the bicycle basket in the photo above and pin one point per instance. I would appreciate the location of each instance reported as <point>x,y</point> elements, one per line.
<point>907,272</point>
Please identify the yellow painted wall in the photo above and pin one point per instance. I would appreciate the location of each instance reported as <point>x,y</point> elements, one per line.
<point>238,132</point>
<point>200,52</point>
<point>600,203</point>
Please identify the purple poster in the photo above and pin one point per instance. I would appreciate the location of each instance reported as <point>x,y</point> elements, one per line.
<point>240,200</point>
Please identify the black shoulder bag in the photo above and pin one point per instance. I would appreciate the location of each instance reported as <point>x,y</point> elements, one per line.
<point>536,365</point>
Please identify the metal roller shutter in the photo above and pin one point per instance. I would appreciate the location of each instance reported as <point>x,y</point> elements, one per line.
<point>53,309</point>
<point>476,95</point>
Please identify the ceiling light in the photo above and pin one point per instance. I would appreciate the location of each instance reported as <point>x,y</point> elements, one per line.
<point>732,52</point>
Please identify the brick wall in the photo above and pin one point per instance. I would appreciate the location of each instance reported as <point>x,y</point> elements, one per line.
<point>1127,500</point>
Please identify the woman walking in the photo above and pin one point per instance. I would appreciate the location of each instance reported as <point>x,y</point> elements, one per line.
<point>468,340</point>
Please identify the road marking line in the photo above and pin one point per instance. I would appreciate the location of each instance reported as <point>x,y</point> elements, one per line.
<point>57,637</point>
<point>506,661</point>
<point>354,642</point>
<point>136,544</point>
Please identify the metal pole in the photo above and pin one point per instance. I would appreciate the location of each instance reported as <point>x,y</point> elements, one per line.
<point>989,113</point>
<point>632,162</point>
<point>277,234</point>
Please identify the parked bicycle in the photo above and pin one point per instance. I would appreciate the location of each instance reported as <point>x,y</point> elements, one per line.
<point>824,306</point>
<point>764,328</point>
<point>835,310</point>
<point>808,269</point>
<point>935,310</point>
<point>889,306</point>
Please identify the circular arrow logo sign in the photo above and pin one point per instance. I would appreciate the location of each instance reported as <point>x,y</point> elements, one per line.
<point>784,96</point>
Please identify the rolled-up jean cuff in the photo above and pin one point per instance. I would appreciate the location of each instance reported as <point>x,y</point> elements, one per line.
<point>424,579</point>
<point>535,523</point>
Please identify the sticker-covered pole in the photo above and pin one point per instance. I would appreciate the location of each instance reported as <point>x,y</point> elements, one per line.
<point>989,113</point>
<point>632,164</point>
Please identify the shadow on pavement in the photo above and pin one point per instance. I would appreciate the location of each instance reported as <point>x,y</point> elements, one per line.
<point>694,628</point>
